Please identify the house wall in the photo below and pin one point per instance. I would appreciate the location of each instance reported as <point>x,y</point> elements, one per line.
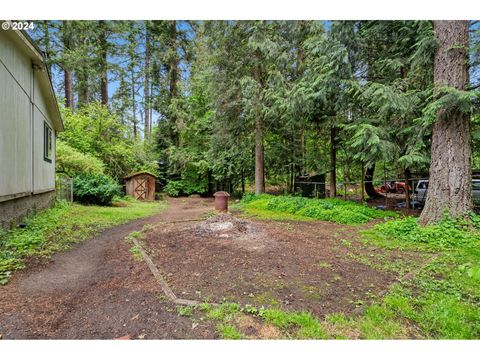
<point>12,211</point>
<point>43,171</point>
<point>16,136</point>
<point>23,111</point>
<point>15,158</point>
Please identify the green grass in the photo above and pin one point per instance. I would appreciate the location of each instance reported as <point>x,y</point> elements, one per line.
<point>136,254</point>
<point>229,332</point>
<point>186,311</point>
<point>443,300</point>
<point>447,234</point>
<point>56,228</point>
<point>298,325</point>
<point>304,209</point>
<point>295,325</point>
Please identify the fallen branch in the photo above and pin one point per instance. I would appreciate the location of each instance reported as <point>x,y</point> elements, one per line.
<point>180,221</point>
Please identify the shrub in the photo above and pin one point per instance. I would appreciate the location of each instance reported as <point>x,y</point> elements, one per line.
<point>448,233</point>
<point>73,162</point>
<point>95,189</point>
<point>335,210</point>
<point>184,187</point>
<point>95,130</point>
<point>173,188</point>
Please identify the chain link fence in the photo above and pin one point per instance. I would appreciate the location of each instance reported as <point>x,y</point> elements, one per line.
<point>351,190</point>
<point>64,188</point>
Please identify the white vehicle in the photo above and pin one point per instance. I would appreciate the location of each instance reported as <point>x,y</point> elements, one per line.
<point>422,188</point>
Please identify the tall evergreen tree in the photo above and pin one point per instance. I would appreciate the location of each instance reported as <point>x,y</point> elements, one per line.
<point>450,185</point>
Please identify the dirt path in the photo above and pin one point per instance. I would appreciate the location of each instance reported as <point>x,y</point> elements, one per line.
<point>97,291</point>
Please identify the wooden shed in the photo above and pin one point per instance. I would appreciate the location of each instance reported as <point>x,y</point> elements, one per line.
<point>141,185</point>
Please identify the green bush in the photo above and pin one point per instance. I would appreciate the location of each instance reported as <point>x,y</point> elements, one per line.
<point>448,233</point>
<point>335,210</point>
<point>96,131</point>
<point>73,162</point>
<point>183,187</point>
<point>173,188</point>
<point>95,189</point>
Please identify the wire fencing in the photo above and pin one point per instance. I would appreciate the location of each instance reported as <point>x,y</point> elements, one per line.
<point>64,188</point>
<point>352,190</point>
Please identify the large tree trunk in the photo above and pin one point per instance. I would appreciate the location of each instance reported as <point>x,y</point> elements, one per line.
<point>68,84</point>
<point>134,107</point>
<point>362,183</point>
<point>47,45</point>
<point>259,157</point>
<point>147,84</point>
<point>369,188</point>
<point>84,91</point>
<point>150,116</point>
<point>333,161</point>
<point>259,149</point>
<point>301,166</point>
<point>407,188</point>
<point>450,183</point>
<point>173,80</point>
<point>103,62</point>
<point>67,72</point>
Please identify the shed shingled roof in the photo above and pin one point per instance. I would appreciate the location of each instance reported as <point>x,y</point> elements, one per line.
<point>139,173</point>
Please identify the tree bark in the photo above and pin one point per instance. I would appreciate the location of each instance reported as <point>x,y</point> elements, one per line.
<point>68,84</point>
<point>407,188</point>
<point>259,157</point>
<point>134,103</point>
<point>243,181</point>
<point>173,80</point>
<point>147,84</point>
<point>47,45</point>
<point>84,94</point>
<point>259,149</point>
<point>103,62</point>
<point>363,183</point>
<point>333,161</point>
<point>450,182</point>
<point>369,188</point>
<point>68,78</point>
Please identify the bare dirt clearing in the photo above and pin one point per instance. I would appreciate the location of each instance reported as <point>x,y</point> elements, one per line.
<point>311,266</point>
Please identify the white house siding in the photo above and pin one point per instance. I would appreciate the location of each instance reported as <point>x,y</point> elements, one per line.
<point>43,171</point>
<point>16,135</point>
<point>23,110</point>
<point>16,60</point>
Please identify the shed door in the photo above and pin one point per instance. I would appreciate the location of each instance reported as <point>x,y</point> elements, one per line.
<point>140,186</point>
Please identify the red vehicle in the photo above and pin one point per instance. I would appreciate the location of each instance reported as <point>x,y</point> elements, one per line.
<point>393,187</point>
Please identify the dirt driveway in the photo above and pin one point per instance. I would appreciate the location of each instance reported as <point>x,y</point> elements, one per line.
<point>97,291</point>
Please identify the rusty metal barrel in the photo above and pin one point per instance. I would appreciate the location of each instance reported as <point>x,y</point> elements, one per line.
<point>221,200</point>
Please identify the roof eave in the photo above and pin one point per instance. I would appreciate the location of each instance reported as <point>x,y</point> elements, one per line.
<point>39,60</point>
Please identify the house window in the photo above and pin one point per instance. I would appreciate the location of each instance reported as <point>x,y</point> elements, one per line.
<point>47,142</point>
